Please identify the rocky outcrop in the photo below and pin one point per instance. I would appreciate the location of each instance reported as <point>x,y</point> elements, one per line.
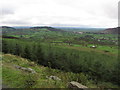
<point>53,78</point>
<point>30,70</point>
<point>74,84</point>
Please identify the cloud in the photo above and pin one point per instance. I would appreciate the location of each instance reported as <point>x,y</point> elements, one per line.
<point>95,13</point>
<point>119,14</point>
<point>16,22</point>
<point>111,9</point>
<point>7,11</point>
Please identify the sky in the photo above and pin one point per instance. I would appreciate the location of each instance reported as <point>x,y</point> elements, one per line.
<point>65,13</point>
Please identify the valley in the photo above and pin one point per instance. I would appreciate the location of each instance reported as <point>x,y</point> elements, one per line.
<point>86,56</point>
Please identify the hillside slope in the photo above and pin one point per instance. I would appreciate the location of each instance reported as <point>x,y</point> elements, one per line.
<point>14,77</point>
<point>48,28</point>
<point>111,31</point>
<point>7,28</point>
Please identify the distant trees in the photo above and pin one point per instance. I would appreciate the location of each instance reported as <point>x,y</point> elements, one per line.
<point>116,72</point>
<point>27,52</point>
<point>39,54</point>
<point>17,50</point>
<point>5,47</point>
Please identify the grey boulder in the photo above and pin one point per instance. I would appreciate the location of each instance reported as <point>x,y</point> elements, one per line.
<point>74,84</point>
<point>54,78</point>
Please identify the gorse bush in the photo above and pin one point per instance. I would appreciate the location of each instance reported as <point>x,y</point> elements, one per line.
<point>99,66</point>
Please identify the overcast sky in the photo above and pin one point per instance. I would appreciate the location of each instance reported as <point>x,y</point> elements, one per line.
<point>80,13</point>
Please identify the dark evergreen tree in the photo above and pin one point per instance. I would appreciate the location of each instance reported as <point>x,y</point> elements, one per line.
<point>33,54</point>
<point>17,50</point>
<point>39,55</point>
<point>5,46</point>
<point>27,52</point>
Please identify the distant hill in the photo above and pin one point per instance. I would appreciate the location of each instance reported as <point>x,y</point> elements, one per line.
<point>111,31</point>
<point>7,28</point>
<point>48,28</point>
<point>29,31</point>
<point>79,29</point>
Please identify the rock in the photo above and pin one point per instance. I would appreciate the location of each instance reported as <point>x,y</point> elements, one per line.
<point>30,70</point>
<point>22,68</point>
<point>54,78</point>
<point>18,67</point>
<point>74,84</point>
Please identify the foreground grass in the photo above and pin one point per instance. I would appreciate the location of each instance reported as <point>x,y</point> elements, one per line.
<point>16,78</point>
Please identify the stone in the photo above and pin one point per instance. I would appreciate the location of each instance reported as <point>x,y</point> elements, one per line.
<point>22,68</point>
<point>18,67</point>
<point>74,84</point>
<point>54,78</point>
<point>30,70</point>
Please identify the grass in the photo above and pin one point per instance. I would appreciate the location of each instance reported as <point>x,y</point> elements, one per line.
<point>15,78</point>
<point>100,49</point>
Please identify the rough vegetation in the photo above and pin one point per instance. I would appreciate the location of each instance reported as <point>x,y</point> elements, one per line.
<point>16,78</point>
